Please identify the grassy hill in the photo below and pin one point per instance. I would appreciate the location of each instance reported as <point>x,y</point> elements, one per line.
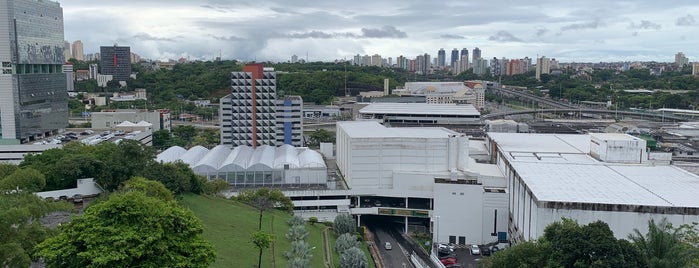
<point>228,225</point>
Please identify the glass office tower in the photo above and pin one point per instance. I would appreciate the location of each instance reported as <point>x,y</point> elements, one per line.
<point>33,94</point>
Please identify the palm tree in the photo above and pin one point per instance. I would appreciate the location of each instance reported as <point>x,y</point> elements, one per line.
<point>661,247</point>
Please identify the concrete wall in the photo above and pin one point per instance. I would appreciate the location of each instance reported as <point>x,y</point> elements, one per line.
<point>86,187</point>
<point>458,212</point>
<point>369,163</point>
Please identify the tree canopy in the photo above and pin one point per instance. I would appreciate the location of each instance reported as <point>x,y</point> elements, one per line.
<point>568,244</point>
<point>20,226</point>
<point>111,165</point>
<point>130,230</point>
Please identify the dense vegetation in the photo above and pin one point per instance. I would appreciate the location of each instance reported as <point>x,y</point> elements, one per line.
<point>111,165</point>
<point>130,229</point>
<point>568,244</point>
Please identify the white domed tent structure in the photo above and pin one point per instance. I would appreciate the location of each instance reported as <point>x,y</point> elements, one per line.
<point>243,166</point>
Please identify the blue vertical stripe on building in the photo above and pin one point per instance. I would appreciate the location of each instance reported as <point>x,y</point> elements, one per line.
<point>287,122</point>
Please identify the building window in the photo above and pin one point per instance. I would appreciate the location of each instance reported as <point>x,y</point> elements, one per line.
<point>452,239</point>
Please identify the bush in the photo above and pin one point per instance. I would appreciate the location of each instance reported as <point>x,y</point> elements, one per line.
<point>353,258</point>
<point>297,232</point>
<point>344,223</point>
<point>295,220</point>
<point>313,220</point>
<point>345,242</point>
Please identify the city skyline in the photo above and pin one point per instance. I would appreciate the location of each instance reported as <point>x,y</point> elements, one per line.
<point>585,32</point>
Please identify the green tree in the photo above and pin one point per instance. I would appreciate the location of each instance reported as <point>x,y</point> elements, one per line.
<point>264,199</point>
<point>353,258</point>
<point>162,139</point>
<point>661,246</point>
<point>130,230</point>
<point>25,179</point>
<point>313,220</point>
<point>526,254</point>
<point>345,242</point>
<point>20,226</point>
<point>297,232</point>
<point>320,135</point>
<point>261,240</point>
<point>300,254</point>
<point>178,177</point>
<point>295,220</point>
<point>344,223</point>
<point>185,132</point>
<point>7,169</point>
<point>149,187</point>
<point>215,187</point>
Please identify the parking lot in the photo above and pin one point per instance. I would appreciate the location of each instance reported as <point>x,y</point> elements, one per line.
<point>463,255</point>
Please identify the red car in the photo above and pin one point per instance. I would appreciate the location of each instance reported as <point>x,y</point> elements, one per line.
<point>448,261</point>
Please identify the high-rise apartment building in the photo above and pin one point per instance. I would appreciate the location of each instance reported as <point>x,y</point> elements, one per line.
<point>695,68</point>
<point>464,53</point>
<point>476,54</point>
<point>116,61</point>
<point>289,121</point>
<point>454,58</point>
<point>66,52</point>
<point>498,66</point>
<point>518,66</point>
<point>357,60</point>
<point>441,58</point>
<point>294,58</point>
<point>248,114</point>
<point>480,66</point>
<point>33,95</point>
<point>681,60</point>
<point>543,66</point>
<point>376,60</point>
<point>78,53</point>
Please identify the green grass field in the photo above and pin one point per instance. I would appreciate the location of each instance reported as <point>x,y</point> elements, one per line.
<point>228,225</point>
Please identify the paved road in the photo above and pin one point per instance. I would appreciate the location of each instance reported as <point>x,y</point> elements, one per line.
<point>394,258</point>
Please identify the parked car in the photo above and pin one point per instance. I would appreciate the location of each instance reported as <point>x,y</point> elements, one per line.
<point>475,250</point>
<point>485,251</point>
<point>388,246</point>
<point>77,198</point>
<point>444,252</point>
<point>494,249</point>
<point>448,261</point>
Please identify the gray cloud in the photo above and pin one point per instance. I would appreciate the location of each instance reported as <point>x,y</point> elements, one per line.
<point>384,32</point>
<point>148,37</point>
<point>228,38</point>
<point>686,21</point>
<point>503,36</point>
<point>647,25</point>
<point>541,32</point>
<point>451,36</point>
<point>582,26</point>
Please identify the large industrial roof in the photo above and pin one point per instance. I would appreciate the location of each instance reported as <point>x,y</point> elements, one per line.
<point>420,109</point>
<point>542,143</point>
<point>222,159</point>
<point>558,168</point>
<point>372,129</point>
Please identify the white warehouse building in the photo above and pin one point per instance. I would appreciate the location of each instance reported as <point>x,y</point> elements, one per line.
<point>600,176</point>
<point>244,166</point>
<point>416,164</point>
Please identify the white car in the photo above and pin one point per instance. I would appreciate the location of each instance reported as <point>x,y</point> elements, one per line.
<point>475,250</point>
<point>388,246</point>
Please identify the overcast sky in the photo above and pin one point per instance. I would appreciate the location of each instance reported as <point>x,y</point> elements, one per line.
<point>580,31</point>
